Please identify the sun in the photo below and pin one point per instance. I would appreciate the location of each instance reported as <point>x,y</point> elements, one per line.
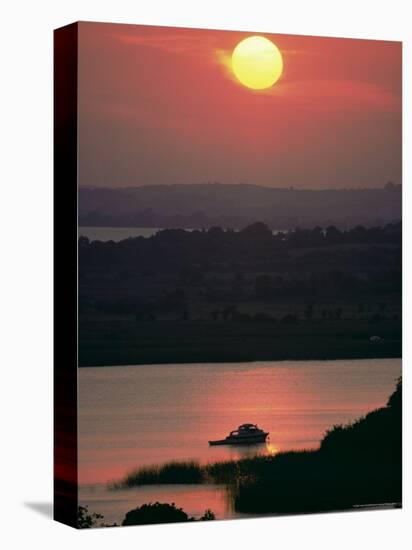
<point>257,62</point>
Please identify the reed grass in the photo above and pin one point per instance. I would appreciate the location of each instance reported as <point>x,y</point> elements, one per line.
<point>185,472</point>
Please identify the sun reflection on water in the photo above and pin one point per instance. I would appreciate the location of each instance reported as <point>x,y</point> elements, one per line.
<point>271,448</point>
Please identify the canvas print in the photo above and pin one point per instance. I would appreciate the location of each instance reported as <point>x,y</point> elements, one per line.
<point>239,274</point>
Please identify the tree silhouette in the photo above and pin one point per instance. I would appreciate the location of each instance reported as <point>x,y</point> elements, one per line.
<point>161,513</point>
<point>86,520</point>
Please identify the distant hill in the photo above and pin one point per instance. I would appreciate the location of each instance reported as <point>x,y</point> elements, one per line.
<point>235,206</point>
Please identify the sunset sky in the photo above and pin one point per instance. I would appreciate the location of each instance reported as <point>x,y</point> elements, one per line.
<point>162,105</point>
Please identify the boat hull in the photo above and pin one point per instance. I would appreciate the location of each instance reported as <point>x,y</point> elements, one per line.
<point>245,440</point>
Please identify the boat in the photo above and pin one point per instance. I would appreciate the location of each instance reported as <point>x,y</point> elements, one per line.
<point>246,434</point>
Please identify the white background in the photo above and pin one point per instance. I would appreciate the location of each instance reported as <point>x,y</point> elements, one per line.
<point>26,323</point>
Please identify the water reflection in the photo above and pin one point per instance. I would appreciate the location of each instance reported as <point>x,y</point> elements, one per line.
<point>271,448</point>
<point>135,416</point>
<point>250,450</point>
<point>194,499</point>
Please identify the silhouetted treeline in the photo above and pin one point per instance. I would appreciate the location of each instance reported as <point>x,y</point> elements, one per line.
<point>309,294</point>
<point>215,204</point>
<point>388,234</point>
<point>146,514</point>
<point>161,513</point>
<point>256,240</point>
<point>300,263</point>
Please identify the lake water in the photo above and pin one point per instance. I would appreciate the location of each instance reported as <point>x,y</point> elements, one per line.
<point>116,234</point>
<point>140,415</point>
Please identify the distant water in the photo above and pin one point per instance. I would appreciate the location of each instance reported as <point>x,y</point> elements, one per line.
<point>116,234</point>
<point>139,415</point>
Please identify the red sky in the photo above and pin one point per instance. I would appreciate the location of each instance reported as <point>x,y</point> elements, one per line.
<point>161,105</point>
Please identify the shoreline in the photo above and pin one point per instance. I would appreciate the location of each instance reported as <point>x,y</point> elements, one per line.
<point>109,342</point>
<point>253,362</point>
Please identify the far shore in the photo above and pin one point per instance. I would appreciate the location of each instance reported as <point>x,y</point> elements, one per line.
<point>192,342</point>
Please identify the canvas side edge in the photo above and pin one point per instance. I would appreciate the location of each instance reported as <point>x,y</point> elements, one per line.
<point>65,274</point>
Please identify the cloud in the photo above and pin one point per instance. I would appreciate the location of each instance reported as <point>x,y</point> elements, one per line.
<point>186,41</point>
<point>338,94</point>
